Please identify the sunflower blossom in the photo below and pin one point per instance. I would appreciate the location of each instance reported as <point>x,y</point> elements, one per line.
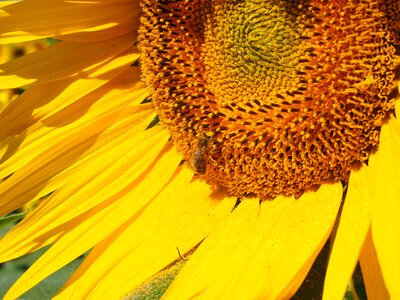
<point>230,136</point>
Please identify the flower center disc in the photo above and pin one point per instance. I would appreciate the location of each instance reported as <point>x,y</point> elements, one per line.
<point>271,97</point>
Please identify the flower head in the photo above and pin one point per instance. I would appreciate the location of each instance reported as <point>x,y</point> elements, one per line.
<point>289,93</point>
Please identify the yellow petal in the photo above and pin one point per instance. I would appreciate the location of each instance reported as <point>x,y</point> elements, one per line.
<point>262,251</point>
<point>73,19</point>
<point>372,272</point>
<point>179,217</point>
<point>105,174</point>
<point>68,149</point>
<point>8,2</point>
<point>354,224</point>
<point>61,60</point>
<point>109,203</point>
<point>386,214</point>
<point>39,102</point>
<point>64,114</point>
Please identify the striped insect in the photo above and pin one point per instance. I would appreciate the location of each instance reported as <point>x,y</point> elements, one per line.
<point>198,159</point>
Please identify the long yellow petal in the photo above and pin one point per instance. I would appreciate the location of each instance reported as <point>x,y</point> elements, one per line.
<point>64,114</point>
<point>61,60</point>
<point>355,221</point>
<point>386,219</point>
<point>262,251</point>
<point>105,174</point>
<point>39,102</point>
<point>108,142</point>
<point>120,197</point>
<point>34,19</point>
<point>179,217</point>
<point>6,3</point>
<point>372,272</point>
<point>67,150</point>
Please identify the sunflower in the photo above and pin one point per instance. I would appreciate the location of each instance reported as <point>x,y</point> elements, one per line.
<point>231,136</point>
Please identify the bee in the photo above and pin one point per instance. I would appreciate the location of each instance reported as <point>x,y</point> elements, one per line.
<point>198,158</point>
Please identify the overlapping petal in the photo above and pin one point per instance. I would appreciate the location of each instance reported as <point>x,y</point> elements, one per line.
<point>355,220</point>
<point>180,216</point>
<point>79,21</point>
<point>115,166</point>
<point>262,251</point>
<point>38,102</point>
<point>114,193</point>
<point>385,227</point>
<point>74,104</point>
<point>54,149</point>
<point>372,273</point>
<point>66,59</point>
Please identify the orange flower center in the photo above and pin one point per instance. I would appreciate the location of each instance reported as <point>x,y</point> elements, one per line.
<point>270,97</point>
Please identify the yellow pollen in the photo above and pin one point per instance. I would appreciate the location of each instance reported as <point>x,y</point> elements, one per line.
<point>271,97</point>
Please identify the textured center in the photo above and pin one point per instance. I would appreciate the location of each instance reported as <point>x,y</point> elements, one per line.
<point>271,97</point>
<point>249,48</point>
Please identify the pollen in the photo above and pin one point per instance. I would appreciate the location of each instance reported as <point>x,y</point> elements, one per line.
<point>290,94</point>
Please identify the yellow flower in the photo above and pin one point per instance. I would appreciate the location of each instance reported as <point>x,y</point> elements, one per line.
<point>84,138</point>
